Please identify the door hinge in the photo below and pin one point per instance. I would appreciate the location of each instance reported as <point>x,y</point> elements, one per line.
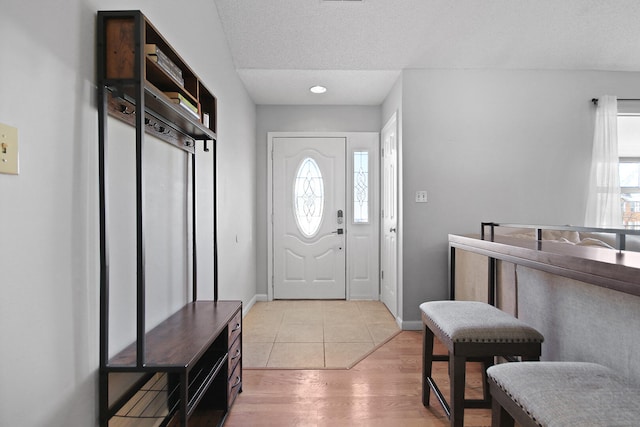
<point>382,274</point>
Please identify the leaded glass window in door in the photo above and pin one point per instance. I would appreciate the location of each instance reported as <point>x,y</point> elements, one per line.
<point>308,197</point>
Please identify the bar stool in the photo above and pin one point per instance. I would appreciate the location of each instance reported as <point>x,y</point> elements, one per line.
<point>471,331</point>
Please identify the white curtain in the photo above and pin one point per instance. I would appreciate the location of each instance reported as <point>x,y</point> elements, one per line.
<point>604,202</point>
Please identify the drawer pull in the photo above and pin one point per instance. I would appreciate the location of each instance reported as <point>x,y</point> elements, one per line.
<point>235,356</point>
<point>236,327</point>
<point>238,381</point>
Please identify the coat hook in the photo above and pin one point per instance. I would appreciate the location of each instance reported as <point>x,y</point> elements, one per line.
<point>125,110</point>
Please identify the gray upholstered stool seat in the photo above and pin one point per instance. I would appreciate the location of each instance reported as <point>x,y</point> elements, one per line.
<point>471,331</point>
<point>472,321</point>
<point>563,394</point>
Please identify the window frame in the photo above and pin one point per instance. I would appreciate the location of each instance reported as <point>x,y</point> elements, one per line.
<point>634,209</point>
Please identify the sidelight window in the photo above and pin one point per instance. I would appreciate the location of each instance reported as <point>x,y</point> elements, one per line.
<point>361,187</point>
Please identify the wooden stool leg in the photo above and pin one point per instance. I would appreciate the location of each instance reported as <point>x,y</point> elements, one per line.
<point>427,363</point>
<point>457,368</point>
<point>486,364</point>
<point>530,358</point>
<point>500,417</point>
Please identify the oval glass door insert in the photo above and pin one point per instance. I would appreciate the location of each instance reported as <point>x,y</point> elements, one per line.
<point>308,196</point>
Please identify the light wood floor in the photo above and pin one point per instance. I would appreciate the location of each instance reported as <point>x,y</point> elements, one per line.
<point>384,389</point>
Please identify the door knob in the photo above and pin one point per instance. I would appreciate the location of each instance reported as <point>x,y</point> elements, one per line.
<point>392,230</point>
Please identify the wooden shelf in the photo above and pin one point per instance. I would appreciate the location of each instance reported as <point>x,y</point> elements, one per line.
<point>180,339</point>
<point>160,106</point>
<point>126,65</point>
<point>148,406</point>
<point>191,347</point>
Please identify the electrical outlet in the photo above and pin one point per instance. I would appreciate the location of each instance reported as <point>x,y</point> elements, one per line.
<point>8,149</point>
<point>421,196</point>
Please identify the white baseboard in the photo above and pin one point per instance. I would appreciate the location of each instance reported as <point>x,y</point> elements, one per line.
<point>411,325</point>
<point>256,298</point>
<point>363,298</point>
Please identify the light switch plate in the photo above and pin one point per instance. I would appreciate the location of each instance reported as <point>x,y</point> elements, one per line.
<point>421,196</point>
<point>8,149</point>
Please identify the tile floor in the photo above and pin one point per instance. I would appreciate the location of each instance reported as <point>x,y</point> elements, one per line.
<point>314,334</point>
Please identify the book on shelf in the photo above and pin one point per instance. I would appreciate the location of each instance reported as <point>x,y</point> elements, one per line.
<point>167,70</point>
<point>180,99</point>
<point>156,55</point>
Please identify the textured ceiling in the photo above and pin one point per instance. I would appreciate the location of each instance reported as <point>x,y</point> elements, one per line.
<point>357,48</point>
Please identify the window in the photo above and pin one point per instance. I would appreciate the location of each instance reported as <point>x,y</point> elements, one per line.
<point>308,196</point>
<point>629,167</point>
<point>361,187</point>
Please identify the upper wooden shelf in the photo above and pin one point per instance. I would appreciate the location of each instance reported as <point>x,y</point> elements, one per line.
<point>135,53</point>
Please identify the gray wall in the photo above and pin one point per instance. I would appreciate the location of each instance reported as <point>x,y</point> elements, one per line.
<point>581,322</point>
<point>49,253</point>
<point>489,145</point>
<point>275,118</point>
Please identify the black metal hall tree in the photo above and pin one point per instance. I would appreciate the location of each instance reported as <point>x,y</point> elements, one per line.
<point>142,81</point>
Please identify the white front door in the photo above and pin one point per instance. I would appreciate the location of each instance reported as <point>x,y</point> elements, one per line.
<point>389,247</point>
<point>309,214</point>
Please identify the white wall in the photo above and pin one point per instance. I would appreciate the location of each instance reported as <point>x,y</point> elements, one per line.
<point>393,104</point>
<point>195,32</point>
<point>49,253</point>
<point>487,145</point>
<point>274,118</point>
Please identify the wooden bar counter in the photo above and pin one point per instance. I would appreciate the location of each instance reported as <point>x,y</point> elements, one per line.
<point>584,299</point>
<point>609,268</point>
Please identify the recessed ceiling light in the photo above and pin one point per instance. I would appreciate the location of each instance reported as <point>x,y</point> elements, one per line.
<point>318,89</point>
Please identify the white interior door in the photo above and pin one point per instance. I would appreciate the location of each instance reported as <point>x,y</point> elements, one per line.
<point>389,247</point>
<point>309,218</point>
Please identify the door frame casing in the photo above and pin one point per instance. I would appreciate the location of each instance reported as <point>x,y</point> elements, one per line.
<point>392,124</point>
<point>396,115</point>
<point>354,140</point>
